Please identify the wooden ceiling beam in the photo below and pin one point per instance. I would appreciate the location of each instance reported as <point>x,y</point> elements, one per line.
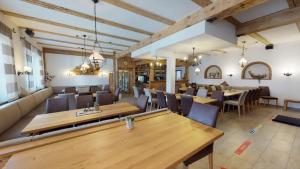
<point>83,15</point>
<point>255,36</point>
<point>88,52</point>
<point>139,11</point>
<point>74,43</point>
<point>64,25</point>
<point>76,37</point>
<point>220,7</point>
<point>293,4</point>
<point>277,19</point>
<point>70,52</point>
<point>202,3</point>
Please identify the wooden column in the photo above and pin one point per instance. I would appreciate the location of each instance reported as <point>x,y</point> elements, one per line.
<point>115,68</point>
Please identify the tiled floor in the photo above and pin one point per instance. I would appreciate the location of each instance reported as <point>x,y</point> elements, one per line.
<point>273,145</point>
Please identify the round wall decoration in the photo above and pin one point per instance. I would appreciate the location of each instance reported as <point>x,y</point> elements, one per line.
<point>213,72</point>
<point>257,71</point>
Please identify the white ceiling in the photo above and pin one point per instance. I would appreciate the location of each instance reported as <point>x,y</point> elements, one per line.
<point>171,9</point>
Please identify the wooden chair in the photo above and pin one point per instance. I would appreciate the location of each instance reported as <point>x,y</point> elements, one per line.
<point>266,95</point>
<point>240,103</point>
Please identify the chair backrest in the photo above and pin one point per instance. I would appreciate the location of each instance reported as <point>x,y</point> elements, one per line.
<point>265,91</point>
<point>103,98</point>
<point>84,101</point>
<point>186,104</point>
<point>148,94</point>
<point>57,104</point>
<point>202,92</point>
<point>117,92</point>
<point>190,91</point>
<point>218,95</point>
<point>93,89</point>
<point>242,97</point>
<point>142,103</point>
<point>161,99</point>
<point>85,89</point>
<point>172,102</point>
<point>213,88</point>
<point>71,99</point>
<point>101,87</point>
<point>136,92</point>
<point>70,90</point>
<point>204,113</point>
<point>106,87</point>
<point>177,88</point>
<point>248,96</point>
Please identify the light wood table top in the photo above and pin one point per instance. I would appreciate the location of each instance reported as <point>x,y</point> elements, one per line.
<point>228,93</point>
<point>49,121</point>
<point>152,144</point>
<point>203,100</point>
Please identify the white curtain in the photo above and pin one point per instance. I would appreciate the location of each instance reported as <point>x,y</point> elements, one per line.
<point>8,81</point>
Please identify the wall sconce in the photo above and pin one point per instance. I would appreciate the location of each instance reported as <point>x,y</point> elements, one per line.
<point>26,70</point>
<point>230,75</point>
<point>287,74</point>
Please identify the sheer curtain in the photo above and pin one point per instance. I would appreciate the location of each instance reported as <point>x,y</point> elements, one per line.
<point>8,80</point>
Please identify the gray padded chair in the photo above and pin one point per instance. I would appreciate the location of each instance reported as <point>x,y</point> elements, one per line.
<point>71,100</point>
<point>142,103</point>
<point>84,101</point>
<point>70,90</point>
<point>172,103</point>
<point>240,103</point>
<point>161,100</point>
<point>186,104</point>
<point>57,104</point>
<point>103,98</point>
<point>202,92</point>
<point>207,115</point>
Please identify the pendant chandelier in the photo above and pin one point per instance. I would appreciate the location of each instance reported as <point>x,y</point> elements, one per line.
<point>156,63</point>
<point>196,59</point>
<point>86,63</point>
<point>243,61</point>
<point>96,58</point>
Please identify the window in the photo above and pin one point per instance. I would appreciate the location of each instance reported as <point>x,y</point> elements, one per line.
<point>8,81</point>
<point>178,75</point>
<point>35,61</point>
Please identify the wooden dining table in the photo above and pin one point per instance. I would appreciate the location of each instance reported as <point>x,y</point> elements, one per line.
<point>158,141</point>
<point>45,122</point>
<point>203,100</point>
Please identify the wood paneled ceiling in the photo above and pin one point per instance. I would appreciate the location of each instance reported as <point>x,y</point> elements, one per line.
<point>126,25</point>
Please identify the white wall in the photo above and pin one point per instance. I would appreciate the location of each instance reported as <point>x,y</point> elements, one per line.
<point>283,58</point>
<point>58,65</point>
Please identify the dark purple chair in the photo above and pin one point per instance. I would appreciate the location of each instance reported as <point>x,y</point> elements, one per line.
<point>71,99</point>
<point>116,95</point>
<point>161,99</point>
<point>207,115</point>
<point>190,91</point>
<point>265,95</point>
<point>172,102</point>
<point>106,88</point>
<point>70,90</point>
<point>84,101</point>
<point>104,98</point>
<point>142,103</point>
<point>57,104</point>
<point>85,93</point>
<point>186,104</point>
<point>219,96</point>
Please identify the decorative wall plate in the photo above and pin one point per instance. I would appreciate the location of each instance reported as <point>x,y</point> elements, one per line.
<point>213,72</point>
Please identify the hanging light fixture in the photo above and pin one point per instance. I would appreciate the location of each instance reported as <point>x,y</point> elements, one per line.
<point>197,60</point>
<point>243,61</point>
<point>96,58</point>
<point>197,70</point>
<point>85,64</point>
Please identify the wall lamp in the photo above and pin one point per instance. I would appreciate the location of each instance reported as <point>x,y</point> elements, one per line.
<point>287,74</point>
<point>230,75</point>
<point>26,71</point>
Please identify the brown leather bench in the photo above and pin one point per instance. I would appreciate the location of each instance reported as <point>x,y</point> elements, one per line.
<point>287,101</point>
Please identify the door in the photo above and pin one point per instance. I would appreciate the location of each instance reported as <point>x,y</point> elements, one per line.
<point>124,81</point>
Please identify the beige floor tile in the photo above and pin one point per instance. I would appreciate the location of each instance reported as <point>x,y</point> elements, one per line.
<point>293,163</point>
<point>237,163</point>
